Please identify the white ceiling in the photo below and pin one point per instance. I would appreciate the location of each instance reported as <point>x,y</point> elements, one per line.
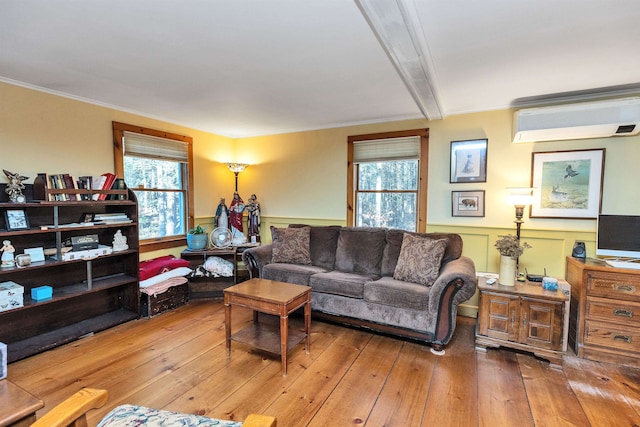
<point>254,67</point>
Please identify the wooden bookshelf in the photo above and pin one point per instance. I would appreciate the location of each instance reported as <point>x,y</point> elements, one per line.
<point>88,295</point>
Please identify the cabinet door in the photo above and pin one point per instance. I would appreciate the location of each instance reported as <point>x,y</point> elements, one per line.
<point>499,316</point>
<point>541,323</point>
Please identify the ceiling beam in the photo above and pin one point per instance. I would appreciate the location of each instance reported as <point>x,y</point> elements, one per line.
<point>398,29</point>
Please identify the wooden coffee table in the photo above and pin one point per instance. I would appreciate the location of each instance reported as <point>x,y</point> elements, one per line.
<point>18,407</point>
<point>275,298</point>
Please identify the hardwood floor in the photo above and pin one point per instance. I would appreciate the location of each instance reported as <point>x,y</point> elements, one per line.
<point>177,361</point>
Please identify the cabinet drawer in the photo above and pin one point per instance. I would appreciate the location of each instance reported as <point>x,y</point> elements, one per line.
<point>618,311</point>
<point>612,336</point>
<point>613,285</point>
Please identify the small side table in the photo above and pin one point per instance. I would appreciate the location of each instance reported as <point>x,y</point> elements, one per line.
<point>18,406</point>
<point>275,298</point>
<point>525,317</point>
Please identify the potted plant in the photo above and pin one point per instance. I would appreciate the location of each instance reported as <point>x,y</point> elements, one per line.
<point>510,250</point>
<point>197,238</point>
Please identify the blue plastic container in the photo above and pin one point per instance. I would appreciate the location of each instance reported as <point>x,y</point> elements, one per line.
<point>41,293</point>
<point>550,283</point>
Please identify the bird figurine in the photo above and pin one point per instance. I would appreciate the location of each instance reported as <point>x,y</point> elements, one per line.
<point>15,186</point>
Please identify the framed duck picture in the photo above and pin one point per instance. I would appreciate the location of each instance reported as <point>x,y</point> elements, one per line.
<point>568,184</point>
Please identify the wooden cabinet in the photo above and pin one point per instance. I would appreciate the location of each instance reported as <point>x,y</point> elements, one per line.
<point>605,313</point>
<point>89,295</point>
<point>524,317</point>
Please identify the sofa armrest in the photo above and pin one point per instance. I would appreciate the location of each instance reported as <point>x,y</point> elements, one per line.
<point>256,258</point>
<point>462,268</point>
<point>455,284</point>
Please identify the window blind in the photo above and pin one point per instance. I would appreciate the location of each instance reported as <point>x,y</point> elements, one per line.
<point>140,145</point>
<point>378,150</point>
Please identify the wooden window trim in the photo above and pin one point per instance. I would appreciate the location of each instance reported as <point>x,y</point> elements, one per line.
<point>422,179</point>
<point>118,153</point>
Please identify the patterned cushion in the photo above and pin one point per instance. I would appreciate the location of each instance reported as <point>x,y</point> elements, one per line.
<point>291,245</point>
<point>134,416</point>
<point>420,259</point>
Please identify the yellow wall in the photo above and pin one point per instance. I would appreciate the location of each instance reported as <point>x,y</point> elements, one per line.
<point>304,174</point>
<point>301,177</point>
<point>40,132</point>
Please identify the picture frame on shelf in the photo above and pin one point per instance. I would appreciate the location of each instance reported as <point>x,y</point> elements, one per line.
<point>16,219</point>
<point>468,161</point>
<point>568,184</point>
<point>467,203</point>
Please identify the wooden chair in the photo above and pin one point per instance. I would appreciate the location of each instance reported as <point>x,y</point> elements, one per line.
<point>73,411</point>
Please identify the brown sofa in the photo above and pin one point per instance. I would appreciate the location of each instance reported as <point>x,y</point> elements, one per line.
<point>408,284</point>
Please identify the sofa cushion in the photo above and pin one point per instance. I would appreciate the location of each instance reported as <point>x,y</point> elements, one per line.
<point>297,274</point>
<point>396,293</point>
<point>360,250</point>
<point>322,245</point>
<point>340,283</point>
<point>291,245</point>
<point>420,259</point>
<point>394,244</point>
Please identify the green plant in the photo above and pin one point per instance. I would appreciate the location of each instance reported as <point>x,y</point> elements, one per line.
<point>198,230</point>
<point>510,246</point>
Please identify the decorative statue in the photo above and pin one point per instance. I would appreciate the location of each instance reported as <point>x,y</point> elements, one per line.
<point>253,220</point>
<point>119,242</point>
<point>235,220</point>
<point>222,214</point>
<point>7,250</point>
<point>15,187</point>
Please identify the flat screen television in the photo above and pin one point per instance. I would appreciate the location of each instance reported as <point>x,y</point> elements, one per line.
<point>618,236</point>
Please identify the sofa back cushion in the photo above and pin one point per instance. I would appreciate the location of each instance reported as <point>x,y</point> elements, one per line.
<point>360,250</point>
<point>322,245</point>
<point>394,244</point>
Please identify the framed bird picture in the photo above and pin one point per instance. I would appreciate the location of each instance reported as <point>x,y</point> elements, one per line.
<point>568,184</point>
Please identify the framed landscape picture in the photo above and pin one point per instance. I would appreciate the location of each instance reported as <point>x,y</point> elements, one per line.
<point>568,184</point>
<point>467,203</point>
<point>469,161</point>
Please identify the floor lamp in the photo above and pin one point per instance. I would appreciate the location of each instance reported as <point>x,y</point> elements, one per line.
<point>236,168</point>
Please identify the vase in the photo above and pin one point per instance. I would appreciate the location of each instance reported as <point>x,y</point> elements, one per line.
<point>507,275</point>
<point>196,241</point>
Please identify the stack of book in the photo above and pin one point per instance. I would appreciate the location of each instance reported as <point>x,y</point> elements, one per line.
<point>111,218</point>
<point>60,181</point>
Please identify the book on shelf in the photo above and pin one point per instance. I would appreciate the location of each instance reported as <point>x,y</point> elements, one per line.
<point>118,184</point>
<point>71,183</point>
<point>108,183</point>
<point>85,183</point>
<point>106,218</point>
<point>97,182</point>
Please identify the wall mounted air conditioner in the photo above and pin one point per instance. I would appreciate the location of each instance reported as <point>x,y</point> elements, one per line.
<point>598,119</point>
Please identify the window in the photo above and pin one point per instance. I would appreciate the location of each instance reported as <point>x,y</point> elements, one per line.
<point>387,180</point>
<point>157,166</point>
